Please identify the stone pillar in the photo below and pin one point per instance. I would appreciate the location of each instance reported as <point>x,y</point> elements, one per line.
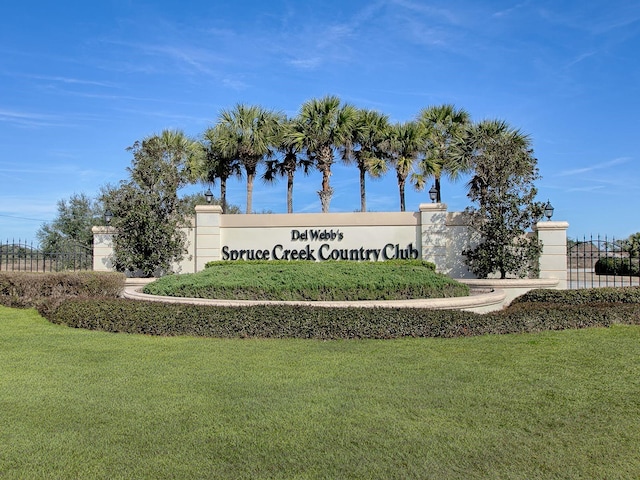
<point>207,241</point>
<point>103,248</point>
<point>553,261</point>
<point>433,234</point>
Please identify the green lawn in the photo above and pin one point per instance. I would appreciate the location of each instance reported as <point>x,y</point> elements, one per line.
<point>81,404</point>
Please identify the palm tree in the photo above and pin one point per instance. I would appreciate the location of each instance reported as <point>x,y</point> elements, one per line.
<point>326,125</point>
<point>215,164</point>
<point>405,145</point>
<point>247,133</point>
<point>288,144</point>
<point>443,127</point>
<point>369,137</point>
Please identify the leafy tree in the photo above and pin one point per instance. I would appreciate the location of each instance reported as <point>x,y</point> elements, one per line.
<point>247,133</point>
<point>443,128</point>
<point>404,147</point>
<point>369,139</point>
<point>146,208</point>
<point>326,124</point>
<point>71,228</point>
<point>216,164</point>
<point>502,186</point>
<point>631,245</point>
<point>288,144</point>
<point>187,204</point>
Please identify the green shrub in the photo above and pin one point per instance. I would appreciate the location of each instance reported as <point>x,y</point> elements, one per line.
<point>281,280</point>
<point>617,266</point>
<point>26,289</point>
<point>582,296</point>
<point>292,321</point>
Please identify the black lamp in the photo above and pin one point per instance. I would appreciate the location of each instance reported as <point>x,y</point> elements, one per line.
<point>208,195</point>
<point>108,216</point>
<point>433,193</point>
<point>548,210</point>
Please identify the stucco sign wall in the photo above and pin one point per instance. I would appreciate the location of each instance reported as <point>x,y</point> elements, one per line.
<point>321,244</point>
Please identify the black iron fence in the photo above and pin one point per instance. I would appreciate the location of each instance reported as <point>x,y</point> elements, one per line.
<point>21,256</point>
<point>602,262</point>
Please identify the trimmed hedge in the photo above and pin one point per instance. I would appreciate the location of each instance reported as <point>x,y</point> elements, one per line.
<point>288,321</point>
<point>581,297</point>
<point>26,289</point>
<point>315,281</point>
<point>618,266</point>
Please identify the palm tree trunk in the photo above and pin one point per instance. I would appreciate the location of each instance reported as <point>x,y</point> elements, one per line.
<point>363,199</point>
<point>290,192</point>
<point>438,198</point>
<point>249,191</point>
<point>223,194</point>
<point>327,192</point>
<point>401,188</point>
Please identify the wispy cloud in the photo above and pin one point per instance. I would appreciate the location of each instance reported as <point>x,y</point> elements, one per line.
<point>72,81</point>
<point>508,11</point>
<point>30,119</point>
<point>592,188</point>
<point>591,168</point>
<point>443,14</point>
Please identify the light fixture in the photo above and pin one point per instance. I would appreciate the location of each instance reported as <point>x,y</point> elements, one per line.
<point>433,193</point>
<point>548,210</point>
<point>108,216</point>
<point>208,195</point>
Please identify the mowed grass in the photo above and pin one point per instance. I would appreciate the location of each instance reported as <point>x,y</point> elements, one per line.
<point>81,404</point>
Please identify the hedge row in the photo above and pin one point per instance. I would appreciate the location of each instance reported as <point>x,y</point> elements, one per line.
<point>581,297</point>
<point>287,321</point>
<point>618,266</point>
<point>26,289</point>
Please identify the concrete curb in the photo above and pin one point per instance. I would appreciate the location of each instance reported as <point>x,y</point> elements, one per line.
<point>483,302</point>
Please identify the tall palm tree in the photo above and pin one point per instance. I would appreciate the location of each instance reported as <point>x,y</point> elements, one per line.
<point>288,144</point>
<point>247,133</point>
<point>405,145</point>
<point>326,125</point>
<point>215,164</point>
<point>443,127</point>
<point>369,138</point>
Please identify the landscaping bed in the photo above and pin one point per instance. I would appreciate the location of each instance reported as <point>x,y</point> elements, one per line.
<point>314,281</point>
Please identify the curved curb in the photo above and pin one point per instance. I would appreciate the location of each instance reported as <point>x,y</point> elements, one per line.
<point>483,302</point>
<point>509,283</point>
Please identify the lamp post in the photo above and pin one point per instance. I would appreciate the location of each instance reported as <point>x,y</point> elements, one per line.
<point>433,194</point>
<point>208,195</point>
<point>108,216</point>
<point>548,210</point>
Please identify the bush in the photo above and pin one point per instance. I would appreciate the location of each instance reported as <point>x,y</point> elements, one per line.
<point>316,281</point>
<point>293,321</point>
<point>26,289</point>
<point>581,297</point>
<point>618,266</point>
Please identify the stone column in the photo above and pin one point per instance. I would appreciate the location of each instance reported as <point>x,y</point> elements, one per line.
<point>433,221</point>
<point>103,248</point>
<point>553,261</point>
<point>207,239</point>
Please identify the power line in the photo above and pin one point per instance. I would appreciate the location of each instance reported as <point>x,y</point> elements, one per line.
<point>24,218</point>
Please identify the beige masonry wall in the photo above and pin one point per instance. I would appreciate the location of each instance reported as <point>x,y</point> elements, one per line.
<point>432,233</point>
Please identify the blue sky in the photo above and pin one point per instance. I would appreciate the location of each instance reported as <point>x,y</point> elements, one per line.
<point>80,81</point>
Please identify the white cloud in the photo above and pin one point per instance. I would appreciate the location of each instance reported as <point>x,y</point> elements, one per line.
<point>591,168</point>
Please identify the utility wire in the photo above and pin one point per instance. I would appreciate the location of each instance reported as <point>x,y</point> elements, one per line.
<point>25,218</point>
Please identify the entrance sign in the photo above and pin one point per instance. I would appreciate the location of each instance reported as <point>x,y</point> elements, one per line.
<point>431,234</point>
